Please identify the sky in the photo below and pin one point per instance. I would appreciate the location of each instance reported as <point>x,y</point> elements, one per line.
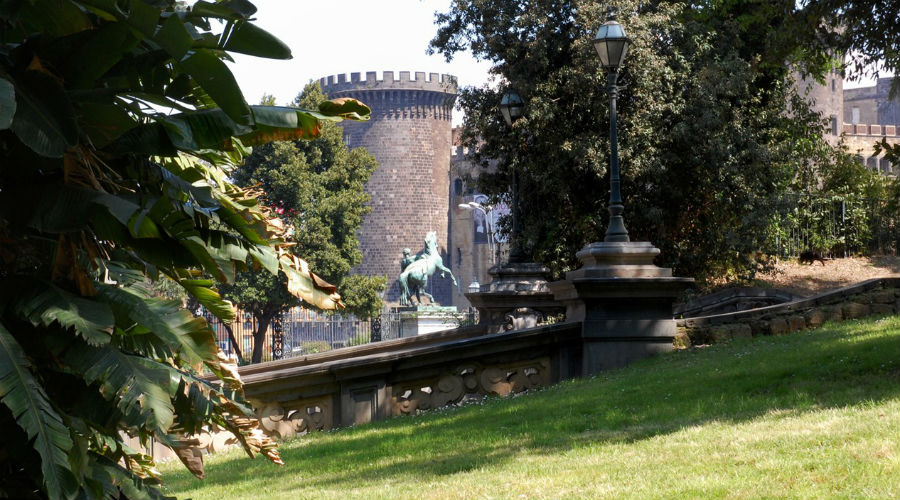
<point>345,36</point>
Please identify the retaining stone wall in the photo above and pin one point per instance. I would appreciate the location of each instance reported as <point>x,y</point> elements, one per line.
<point>873,297</point>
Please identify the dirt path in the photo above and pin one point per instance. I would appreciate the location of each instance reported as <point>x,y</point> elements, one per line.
<point>806,279</point>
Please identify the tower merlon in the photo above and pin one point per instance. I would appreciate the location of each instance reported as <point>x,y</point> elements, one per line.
<point>418,80</point>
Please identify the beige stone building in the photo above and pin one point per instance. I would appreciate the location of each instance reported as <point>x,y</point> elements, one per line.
<point>862,116</point>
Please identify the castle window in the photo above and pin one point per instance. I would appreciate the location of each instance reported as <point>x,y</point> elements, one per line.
<point>854,116</point>
<point>833,85</point>
<point>834,125</point>
<point>458,187</point>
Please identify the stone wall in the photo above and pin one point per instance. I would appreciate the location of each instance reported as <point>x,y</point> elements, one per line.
<point>861,139</point>
<point>873,297</point>
<point>409,134</point>
<point>873,104</point>
<point>471,255</point>
<point>827,99</point>
<point>403,376</point>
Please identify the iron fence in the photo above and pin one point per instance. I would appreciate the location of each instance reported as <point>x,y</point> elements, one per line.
<point>299,332</point>
<point>836,226</point>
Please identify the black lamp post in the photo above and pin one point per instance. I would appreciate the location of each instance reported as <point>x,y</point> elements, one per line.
<point>612,46</point>
<point>512,106</point>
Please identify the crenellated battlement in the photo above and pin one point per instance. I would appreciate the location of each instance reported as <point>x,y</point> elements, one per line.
<point>869,130</point>
<point>407,80</point>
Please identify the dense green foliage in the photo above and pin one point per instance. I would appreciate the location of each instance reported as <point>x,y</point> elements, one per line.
<point>837,205</point>
<point>317,188</point>
<point>706,146</point>
<point>808,415</point>
<point>864,30</point>
<point>119,127</point>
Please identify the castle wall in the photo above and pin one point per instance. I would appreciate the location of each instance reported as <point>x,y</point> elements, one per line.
<point>474,245</point>
<point>827,99</point>
<point>861,140</point>
<point>873,104</point>
<point>409,134</point>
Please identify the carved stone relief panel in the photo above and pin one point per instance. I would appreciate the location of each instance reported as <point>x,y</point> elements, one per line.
<point>470,379</point>
<point>522,317</point>
<point>298,418</point>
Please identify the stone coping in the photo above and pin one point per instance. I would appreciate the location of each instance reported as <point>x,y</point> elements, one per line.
<point>363,350</point>
<point>428,345</point>
<point>694,307</point>
<point>815,300</point>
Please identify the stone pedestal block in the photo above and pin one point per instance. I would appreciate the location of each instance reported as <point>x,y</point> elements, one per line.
<point>624,302</point>
<point>419,320</point>
<point>517,296</point>
<point>815,318</point>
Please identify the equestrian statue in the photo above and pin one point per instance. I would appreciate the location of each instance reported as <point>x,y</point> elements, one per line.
<point>414,271</point>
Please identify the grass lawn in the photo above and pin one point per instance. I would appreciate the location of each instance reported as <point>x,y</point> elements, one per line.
<point>815,414</point>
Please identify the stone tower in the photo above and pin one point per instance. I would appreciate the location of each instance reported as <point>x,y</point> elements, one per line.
<point>827,99</point>
<point>409,133</point>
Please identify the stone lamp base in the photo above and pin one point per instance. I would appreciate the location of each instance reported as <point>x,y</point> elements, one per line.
<point>518,296</point>
<point>624,302</point>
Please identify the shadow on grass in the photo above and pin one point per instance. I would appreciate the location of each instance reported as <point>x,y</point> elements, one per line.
<point>836,366</point>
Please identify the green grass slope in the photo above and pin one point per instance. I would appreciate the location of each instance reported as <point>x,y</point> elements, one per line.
<point>815,414</point>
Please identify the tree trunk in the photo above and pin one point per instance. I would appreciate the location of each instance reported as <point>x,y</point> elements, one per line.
<point>234,343</point>
<point>259,336</point>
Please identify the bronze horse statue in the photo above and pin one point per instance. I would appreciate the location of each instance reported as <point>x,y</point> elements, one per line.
<point>414,276</point>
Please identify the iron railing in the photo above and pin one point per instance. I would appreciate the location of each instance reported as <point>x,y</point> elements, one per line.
<point>836,226</point>
<point>299,332</point>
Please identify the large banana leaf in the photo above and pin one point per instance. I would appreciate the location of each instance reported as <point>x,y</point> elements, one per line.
<point>188,336</point>
<point>30,406</point>
<point>252,40</point>
<point>306,285</point>
<point>102,192</point>
<point>137,384</point>
<point>44,119</point>
<point>45,303</point>
<point>214,128</point>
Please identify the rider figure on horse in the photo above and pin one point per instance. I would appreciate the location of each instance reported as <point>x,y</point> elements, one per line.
<point>414,271</point>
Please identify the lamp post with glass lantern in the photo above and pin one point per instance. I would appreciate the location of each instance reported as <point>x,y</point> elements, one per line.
<point>518,288</point>
<point>612,46</point>
<point>621,298</point>
<point>486,211</point>
<point>513,107</point>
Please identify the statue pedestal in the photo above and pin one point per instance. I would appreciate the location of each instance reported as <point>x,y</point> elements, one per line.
<point>518,296</point>
<point>624,302</point>
<point>419,320</point>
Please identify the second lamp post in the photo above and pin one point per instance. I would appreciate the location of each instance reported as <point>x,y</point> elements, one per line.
<point>612,46</point>
<point>512,107</point>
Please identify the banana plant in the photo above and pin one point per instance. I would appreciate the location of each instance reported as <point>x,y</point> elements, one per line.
<point>119,126</point>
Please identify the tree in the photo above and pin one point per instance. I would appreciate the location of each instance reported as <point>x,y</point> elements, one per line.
<point>705,142</point>
<point>865,31</point>
<point>317,187</point>
<point>100,192</point>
